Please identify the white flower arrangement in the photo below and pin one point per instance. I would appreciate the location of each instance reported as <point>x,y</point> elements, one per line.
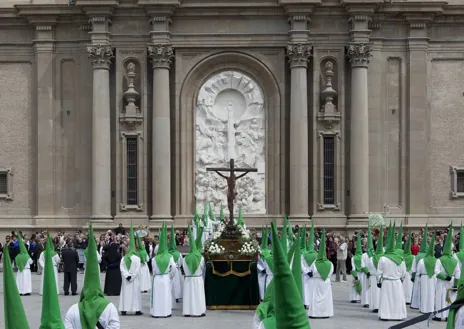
<point>244,233</point>
<point>218,232</point>
<point>248,249</point>
<point>214,249</point>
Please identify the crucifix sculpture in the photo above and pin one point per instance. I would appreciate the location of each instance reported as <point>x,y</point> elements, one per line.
<point>231,179</point>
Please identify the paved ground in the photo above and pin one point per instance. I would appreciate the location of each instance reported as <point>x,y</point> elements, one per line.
<point>347,315</point>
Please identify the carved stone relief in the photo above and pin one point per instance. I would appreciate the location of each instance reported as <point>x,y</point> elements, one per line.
<point>131,117</point>
<point>230,123</point>
<point>329,114</point>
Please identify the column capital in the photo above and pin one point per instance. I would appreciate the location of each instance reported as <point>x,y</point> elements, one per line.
<point>160,55</point>
<point>100,56</point>
<point>299,54</point>
<point>359,54</point>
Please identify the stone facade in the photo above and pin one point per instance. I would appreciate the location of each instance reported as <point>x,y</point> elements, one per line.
<point>362,109</point>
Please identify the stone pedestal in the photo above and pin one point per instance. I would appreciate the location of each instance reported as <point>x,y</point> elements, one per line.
<point>161,56</point>
<point>100,57</point>
<point>299,55</point>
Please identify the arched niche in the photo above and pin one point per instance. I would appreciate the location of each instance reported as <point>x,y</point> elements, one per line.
<point>207,67</point>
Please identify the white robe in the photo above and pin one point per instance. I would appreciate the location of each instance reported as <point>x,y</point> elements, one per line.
<point>459,319</point>
<point>24,279</point>
<point>261,277</point>
<point>408,286</point>
<point>269,276</point>
<point>321,301</point>
<point>178,279</point>
<point>365,282</point>
<point>56,261</point>
<point>161,296</point>
<point>415,298</point>
<point>130,299</point>
<point>374,291</point>
<point>109,318</point>
<point>442,290</point>
<point>307,282</point>
<point>145,276</point>
<point>354,297</point>
<point>427,287</point>
<point>392,305</point>
<point>194,301</point>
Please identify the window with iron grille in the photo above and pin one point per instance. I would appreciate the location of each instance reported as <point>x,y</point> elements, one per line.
<point>460,182</point>
<point>3,183</point>
<point>132,172</point>
<point>329,169</point>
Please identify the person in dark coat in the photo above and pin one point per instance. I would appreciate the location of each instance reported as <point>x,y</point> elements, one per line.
<point>70,263</point>
<point>113,279</point>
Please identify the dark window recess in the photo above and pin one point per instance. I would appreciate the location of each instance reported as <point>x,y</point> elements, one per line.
<point>460,182</point>
<point>132,179</point>
<point>329,170</point>
<point>3,183</point>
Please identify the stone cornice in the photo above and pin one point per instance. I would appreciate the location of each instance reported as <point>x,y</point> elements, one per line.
<point>93,8</point>
<point>46,10</point>
<point>415,7</point>
<point>360,7</point>
<point>159,8</point>
<point>299,8</point>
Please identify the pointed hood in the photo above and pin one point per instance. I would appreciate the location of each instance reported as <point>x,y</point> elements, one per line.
<point>173,246</point>
<point>141,252</point>
<point>15,317</point>
<point>429,259</point>
<point>358,254</point>
<point>264,243</point>
<point>240,218</point>
<point>196,218</point>
<point>193,258</point>
<point>210,212</point>
<point>283,236</point>
<point>407,255</point>
<point>310,245</point>
<point>370,244</point>
<point>424,244</point>
<point>378,249</point>
<point>92,302</point>
<point>199,239</point>
<point>22,258</point>
<point>289,309</point>
<point>390,251</point>
<point>131,251</point>
<point>303,240</point>
<point>296,267</point>
<point>221,213</point>
<point>460,253</point>
<point>447,259</point>
<point>289,232</point>
<point>205,215</point>
<point>399,241</point>
<point>323,265</point>
<point>163,256</point>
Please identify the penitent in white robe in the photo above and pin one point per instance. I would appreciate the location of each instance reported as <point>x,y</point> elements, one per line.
<point>392,305</point>
<point>56,261</point>
<point>321,301</point>
<point>194,302</point>
<point>145,277</point>
<point>374,291</point>
<point>442,291</point>
<point>161,296</point>
<point>354,297</point>
<point>261,277</point>
<point>109,319</point>
<point>24,279</point>
<point>427,287</point>
<point>415,298</point>
<point>130,299</point>
<point>365,282</point>
<point>307,282</point>
<point>177,280</point>
<point>408,286</point>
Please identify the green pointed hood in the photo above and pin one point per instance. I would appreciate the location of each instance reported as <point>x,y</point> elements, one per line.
<point>210,212</point>
<point>205,215</point>
<point>262,309</point>
<point>264,243</point>
<point>323,265</point>
<point>460,253</point>
<point>92,302</point>
<point>370,244</point>
<point>193,258</point>
<point>358,254</point>
<point>424,244</point>
<point>399,241</point>
<point>141,252</point>
<point>447,259</point>
<point>429,259</point>
<point>390,251</point>
<point>296,267</point>
<point>199,239</point>
<point>310,245</point>
<point>240,217</point>
<point>459,300</point>
<point>49,244</point>
<point>378,249</point>
<point>22,258</point>
<point>283,236</point>
<point>289,309</point>
<point>303,240</point>
<point>14,315</point>
<point>289,232</point>
<point>173,246</point>
<point>221,213</point>
<point>407,255</point>
<point>163,256</point>
<point>131,250</point>
<point>196,218</point>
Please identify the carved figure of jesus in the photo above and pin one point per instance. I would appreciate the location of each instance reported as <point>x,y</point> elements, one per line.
<point>230,131</point>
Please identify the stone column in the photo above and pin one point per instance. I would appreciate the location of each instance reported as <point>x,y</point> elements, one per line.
<point>299,55</point>
<point>161,56</point>
<point>100,57</point>
<point>359,54</point>
<point>44,49</point>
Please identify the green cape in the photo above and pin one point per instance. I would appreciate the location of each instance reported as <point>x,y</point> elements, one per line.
<point>378,249</point>
<point>131,250</point>
<point>141,252</point>
<point>429,259</point>
<point>193,258</point>
<point>172,246</point>
<point>390,251</point>
<point>15,317</point>
<point>407,255</point>
<point>447,260</point>
<point>289,310</point>
<point>310,254</point>
<point>163,256</point>
<point>92,302</point>
<point>323,265</point>
<point>358,254</point>
<point>262,309</point>
<point>23,256</point>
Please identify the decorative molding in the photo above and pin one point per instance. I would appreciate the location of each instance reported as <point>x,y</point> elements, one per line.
<point>8,173</point>
<point>100,56</point>
<point>375,25</point>
<point>160,56</point>
<point>359,18</point>
<point>417,25</point>
<point>140,164</point>
<point>299,54</point>
<point>359,54</point>
<point>328,114</point>
<point>86,27</point>
<point>336,206</point>
<point>43,28</point>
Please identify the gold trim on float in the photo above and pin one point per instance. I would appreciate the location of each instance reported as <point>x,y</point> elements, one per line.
<point>232,272</point>
<point>231,307</point>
